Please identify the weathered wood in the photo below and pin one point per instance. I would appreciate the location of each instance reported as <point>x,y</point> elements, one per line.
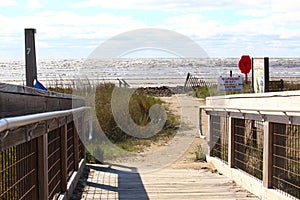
<point>42,164</point>
<point>209,136</point>
<point>30,55</point>
<point>230,142</point>
<point>106,182</point>
<point>267,155</point>
<point>19,100</point>
<point>22,135</point>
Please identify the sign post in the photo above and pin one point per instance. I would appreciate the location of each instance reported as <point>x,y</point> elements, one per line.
<point>245,65</point>
<point>31,72</point>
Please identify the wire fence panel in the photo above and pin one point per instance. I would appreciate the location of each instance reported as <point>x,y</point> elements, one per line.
<point>219,137</point>
<point>70,149</point>
<point>18,172</point>
<point>54,163</point>
<point>248,146</point>
<point>286,158</point>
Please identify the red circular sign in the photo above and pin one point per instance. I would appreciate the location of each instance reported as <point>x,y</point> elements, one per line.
<point>245,64</point>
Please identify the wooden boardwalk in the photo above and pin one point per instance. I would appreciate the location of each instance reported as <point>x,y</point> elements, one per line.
<point>150,176</point>
<point>117,182</point>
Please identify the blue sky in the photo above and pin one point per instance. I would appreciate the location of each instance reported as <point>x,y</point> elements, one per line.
<point>226,28</point>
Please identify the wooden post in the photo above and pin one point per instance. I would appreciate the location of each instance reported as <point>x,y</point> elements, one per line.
<point>64,167</point>
<point>230,142</point>
<point>267,76</point>
<point>210,138</point>
<point>267,155</point>
<point>42,163</point>
<point>31,72</point>
<point>186,80</point>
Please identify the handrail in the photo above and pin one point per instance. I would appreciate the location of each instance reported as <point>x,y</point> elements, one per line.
<point>240,110</point>
<point>14,122</point>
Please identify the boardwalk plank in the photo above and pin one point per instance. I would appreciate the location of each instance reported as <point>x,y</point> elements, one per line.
<point>163,184</point>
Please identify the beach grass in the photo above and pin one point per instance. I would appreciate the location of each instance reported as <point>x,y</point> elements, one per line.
<point>139,105</point>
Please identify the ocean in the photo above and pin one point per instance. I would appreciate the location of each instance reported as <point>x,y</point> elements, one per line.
<point>139,71</point>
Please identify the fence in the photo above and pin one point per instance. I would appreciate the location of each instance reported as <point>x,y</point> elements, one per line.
<point>219,137</point>
<point>193,82</point>
<point>263,143</point>
<point>41,154</point>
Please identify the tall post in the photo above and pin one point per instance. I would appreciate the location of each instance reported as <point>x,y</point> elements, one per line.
<point>267,76</point>
<point>31,72</point>
<point>267,155</point>
<point>231,142</point>
<point>42,163</point>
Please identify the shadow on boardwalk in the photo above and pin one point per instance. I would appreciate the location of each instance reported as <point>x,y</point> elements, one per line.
<point>123,183</point>
<point>114,182</point>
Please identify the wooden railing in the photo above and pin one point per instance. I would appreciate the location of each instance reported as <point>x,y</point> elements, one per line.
<point>41,154</point>
<point>263,142</point>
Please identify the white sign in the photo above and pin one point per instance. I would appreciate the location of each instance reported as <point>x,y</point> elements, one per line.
<point>258,75</point>
<point>228,84</point>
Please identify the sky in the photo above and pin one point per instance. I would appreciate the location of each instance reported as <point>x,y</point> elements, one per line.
<point>223,28</point>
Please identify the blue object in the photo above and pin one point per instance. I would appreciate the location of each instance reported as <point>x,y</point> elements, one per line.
<point>38,85</point>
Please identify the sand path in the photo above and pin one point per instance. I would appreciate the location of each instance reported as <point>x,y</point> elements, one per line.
<point>178,152</point>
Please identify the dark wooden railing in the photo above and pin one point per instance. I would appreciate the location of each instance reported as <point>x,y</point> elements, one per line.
<point>41,151</point>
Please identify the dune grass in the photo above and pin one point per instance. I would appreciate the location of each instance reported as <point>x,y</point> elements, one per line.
<point>139,106</point>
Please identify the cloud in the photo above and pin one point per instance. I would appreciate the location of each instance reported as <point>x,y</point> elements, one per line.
<point>194,25</point>
<point>35,3</point>
<point>174,5</point>
<point>253,12</point>
<point>7,3</point>
<point>285,6</point>
<point>65,25</point>
<point>202,27</point>
<point>246,28</point>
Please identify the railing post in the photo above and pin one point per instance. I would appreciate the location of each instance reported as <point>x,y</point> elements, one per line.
<point>267,155</point>
<point>31,71</point>
<point>230,141</point>
<point>64,169</point>
<point>42,163</point>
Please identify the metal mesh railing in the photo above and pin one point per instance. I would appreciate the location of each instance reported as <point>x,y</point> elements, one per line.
<point>248,146</point>
<point>286,158</point>
<point>219,137</point>
<point>81,149</point>
<point>70,149</point>
<point>18,172</point>
<point>54,163</point>
<point>38,155</point>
